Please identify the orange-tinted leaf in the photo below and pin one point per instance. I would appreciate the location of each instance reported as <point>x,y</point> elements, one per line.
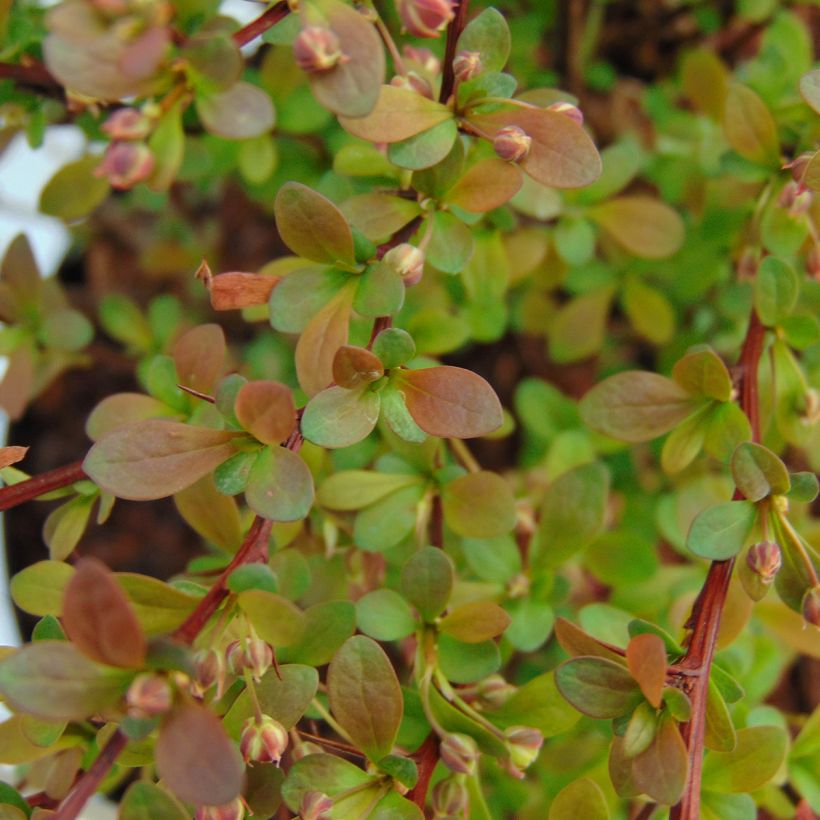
<point>576,642</point>
<point>98,618</point>
<point>18,382</point>
<point>266,410</point>
<point>749,126</point>
<point>11,455</point>
<point>196,758</point>
<point>312,226</point>
<point>643,225</point>
<point>704,81</point>
<point>475,622</point>
<point>479,505</point>
<point>399,114</point>
<point>351,87</point>
<point>212,514</point>
<point>122,409</point>
<point>354,366</point>
<point>234,290</point>
<point>199,355</point>
<point>646,659</point>
<point>561,154</point>
<point>488,184</point>
<point>451,402</point>
<point>324,335</point>
<point>156,458</point>
<point>18,273</point>
<point>661,770</point>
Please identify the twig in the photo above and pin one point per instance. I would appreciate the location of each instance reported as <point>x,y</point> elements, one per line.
<point>261,24</point>
<point>454,30</point>
<point>426,758</point>
<point>33,74</point>
<point>37,485</point>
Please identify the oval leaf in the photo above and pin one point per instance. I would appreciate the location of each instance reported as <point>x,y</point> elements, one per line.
<point>266,410</point>
<point>644,226</point>
<point>479,505</point>
<point>280,486</point>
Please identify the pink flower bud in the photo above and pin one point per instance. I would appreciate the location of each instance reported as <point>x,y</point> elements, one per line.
<point>424,58</point>
<point>317,48</point>
<point>149,695</point>
<point>209,669</point>
<point>524,745</point>
<point>788,194</point>
<point>512,143</point>
<point>764,560</point>
<point>413,82</point>
<point>494,691</point>
<point>459,753</point>
<point>127,124</point>
<point>125,164</point>
<point>798,165</point>
<point>811,606</point>
<point>408,261</point>
<point>315,806</point>
<point>235,810</point>
<point>466,65</point>
<point>425,18</point>
<point>259,657</point>
<point>263,742</point>
<point>568,110</point>
<point>450,798</point>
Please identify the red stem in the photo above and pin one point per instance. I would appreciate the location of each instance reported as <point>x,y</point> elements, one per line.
<point>426,758</point>
<point>448,79</point>
<point>31,74</point>
<point>89,782</point>
<point>704,622</point>
<point>38,485</point>
<point>262,23</point>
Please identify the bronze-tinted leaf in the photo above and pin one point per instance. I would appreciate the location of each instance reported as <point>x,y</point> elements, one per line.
<point>212,514</point>
<point>451,402</point>
<point>486,185</point>
<point>266,410</point>
<point>355,366</point>
<point>240,112</point>
<point>749,126</point>
<point>646,660</point>
<point>199,356</point>
<point>156,458</point>
<point>475,622</point>
<point>196,758</point>
<point>561,154</point>
<point>644,226</point>
<point>704,81</point>
<point>123,409</point>
<point>20,278</point>
<point>378,215</point>
<point>661,770</point>
<point>479,505</point>
<point>11,455</point>
<point>18,382</point>
<point>99,619</point>
<point>234,290</point>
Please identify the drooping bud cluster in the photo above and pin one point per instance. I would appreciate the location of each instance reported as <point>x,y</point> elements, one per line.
<point>494,691</point>
<point>209,670</point>
<point>263,741</point>
<point>811,606</point>
<point>568,110</point>
<point>524,745</point>
<point>235,810</point>
<point>450,798</point>
<point>764,560</point>
<point>795,198</point>
<point>127,124</point>
<point>747,263</point>
<point>425,18</point>
<point>459,753</point>
<point>148,695</point>
<point>408,261</point>
<point>424,59</point>
<point>315,806</point>
<point>317,48</point>
<point>512,143</point>
<point>251,653</point>
<point>466,65</point>
<point>125,164</point>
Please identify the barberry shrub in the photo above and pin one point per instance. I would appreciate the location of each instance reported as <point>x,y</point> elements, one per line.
<point>582,583</point>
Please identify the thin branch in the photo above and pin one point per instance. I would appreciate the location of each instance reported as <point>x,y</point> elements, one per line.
<point>426,758</point>
<point>32,74</point>
<point>38,485</point>
<point>261,24</point>
<point>454,30</point>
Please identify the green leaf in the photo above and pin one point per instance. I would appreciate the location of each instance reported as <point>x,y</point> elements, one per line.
<point>451,245</point>
<point>758,472</point>
<point>538,704</point>
<point>330,774</point>
<point>284,694</point>
<point>238,113</point>
<point>479,505</point>
<point>427,581</point>
<point>572,514</point>
<point>144,800</point>
<point>399,113</point>
<point>475,622</point>
<point>810,89</point>
<point>327,627</point>
<point>167,144</point>
<point>11,798</point>
<point>355,489</point>
<point>380,291</point>
<point>597,687</point>
<point>387,522</point>
<point>65,526</point>
<point>160,608</point>
<point>74,191</point>
<point>719,532</point>
<point>636,406</point>
<point>425,149</point>
<point>493,559</point>
<point>301,295</point>
<point>685,441</point>
<point>196,759</point>
<point>252,576</point>
<point>578,328</point>
<point>703,373</point>
<point>365,695</point>
<point>661,770</point>
<point>394,347</point>
<point>489,35</point>
<point>53,680</point>
<point>804,487</point>
<point>776,289</point>
<point>378,215</point>
<point>756,759</point>
<point>582,798</point>
<point>312,226</point>
<point>719,733</point>
<point>280,486</point>
<point>384,615</point>
<point>727,427</point>
<point>463,662</point>
<point>646,227</point>
<point>155,458</point>
<point>749,126</point>
<point>450,402</point>
<point>640,731</point>
<point>532,623</point>
<point>716,806</point>
<point>275,619</point>
<point>400,768</point>
<point>338,417</point>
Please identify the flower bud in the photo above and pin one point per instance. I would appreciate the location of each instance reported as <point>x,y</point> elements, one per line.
<point>317,48</point>
<point>512,143</point>
<point>802,203</point>
<point>494,691</point>
<point>568,110</point>
<point>148,695</point>
<point>466,65</point>
<point>459,753</point>
<point>764,560</point>
<point>450,798</point>
<point>127,124</point>
<point>788,194</point>
<point>747,263</point>
<point>425,18</point>
<point>315,806</point>
<point>813,262</point>
<point>413,82</point>
<point>524,745</point>
<point>252,653</point>
<point>798,165</point>
<point>408,261</point>
<point>424,58</point>
<point>209,669</point>
<point>235,810</point>
<point>811,606</point>
<point>263,742</point>
<point>125,164</point>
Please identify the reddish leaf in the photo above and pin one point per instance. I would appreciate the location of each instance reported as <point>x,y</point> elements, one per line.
<point>123,409</point>
<point>196,758</point>
<point>18,382</point>
<point>11,455</point>
<point>98,618</point>
<point>661,770</point>
<point>199,356</point>
<point>266,410</point>
<point>646,659</point>
<point>475,622</point>
<point>451,402</point>
<point>212,514</point>
<point>488,184</point>
<point>234,290</point>
<point>355,366</point>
